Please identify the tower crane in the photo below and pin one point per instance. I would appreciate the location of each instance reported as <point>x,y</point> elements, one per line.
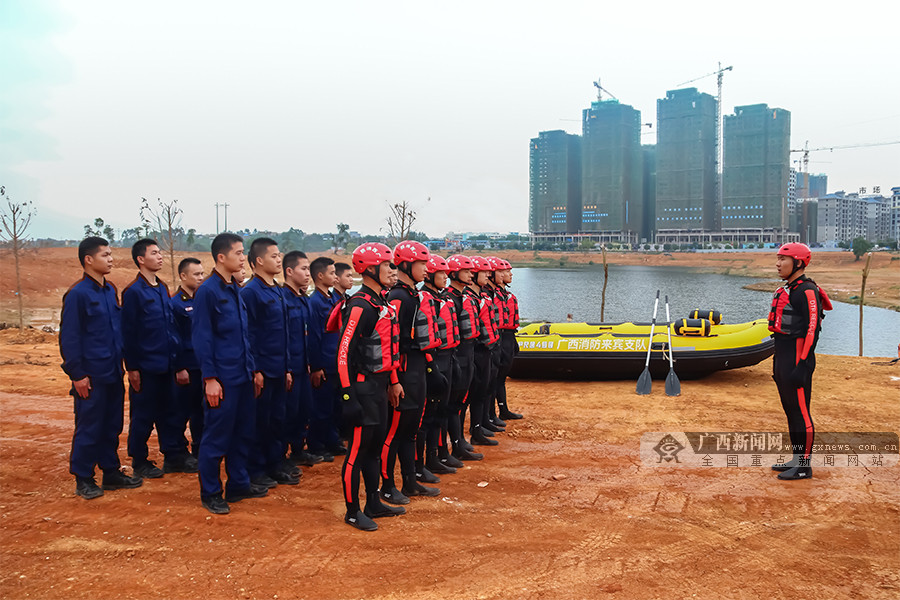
<point>601,89</point>
<point>806,150</point>
<point>719,147</point>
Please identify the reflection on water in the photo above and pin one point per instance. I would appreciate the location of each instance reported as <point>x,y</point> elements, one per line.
<point>551,294</point>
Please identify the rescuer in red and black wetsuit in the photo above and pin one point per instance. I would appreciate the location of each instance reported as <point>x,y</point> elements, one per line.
<point>418,335</point>
<point>367,359</point>
<point>509,324</point>
<point>795,321</point>
<point>431,451</point>
<point>465,302</point>
<point>481,390</point>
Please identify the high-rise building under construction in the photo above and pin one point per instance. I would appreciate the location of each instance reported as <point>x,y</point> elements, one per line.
<point>756,168</point>
<point>611,171</point>
<point>686,160</point>
<point>555,182</point>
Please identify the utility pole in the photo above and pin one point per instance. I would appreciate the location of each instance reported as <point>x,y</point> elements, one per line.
<point>226,216</point>
<point>217,218</point>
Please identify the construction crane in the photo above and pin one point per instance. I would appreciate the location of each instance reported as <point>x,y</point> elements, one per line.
<point>600,90</point>
<point>806,150</point>
<point>719,147</point>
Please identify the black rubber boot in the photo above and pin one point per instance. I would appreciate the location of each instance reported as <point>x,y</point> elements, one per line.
<point>411,487</point>
<point>426,476</point>
<point>796,473</point>
<point>438,467</point>
<point>508,415</point>
<point>358,519</point>
<point>375,509</point>
<point>786,466</point>
<point>393,496</point>
<point>464,455</point>
<point>479,438</point>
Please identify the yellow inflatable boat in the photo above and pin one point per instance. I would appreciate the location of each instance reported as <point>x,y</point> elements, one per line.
<point>618,350</point>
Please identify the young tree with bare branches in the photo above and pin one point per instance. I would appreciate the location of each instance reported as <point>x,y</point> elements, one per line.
<point>166,220</point>
<point>401,220</point>
<point>15,218</point>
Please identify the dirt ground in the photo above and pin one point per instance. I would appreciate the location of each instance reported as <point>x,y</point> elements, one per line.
<point>568,509</point>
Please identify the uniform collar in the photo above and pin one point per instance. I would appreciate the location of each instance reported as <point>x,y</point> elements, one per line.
<point>222,279</point>
<point>103,285</point>
<point>183,293</point>
<point>147,281</point>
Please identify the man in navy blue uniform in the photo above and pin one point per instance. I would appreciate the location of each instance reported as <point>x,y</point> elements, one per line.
<point>268,328</point>
<point>151,345</point>
<point>189,385</point>
<point>222,345</point>
<point>296,282</point>
<point>324,438</point>
<point>90,341</point>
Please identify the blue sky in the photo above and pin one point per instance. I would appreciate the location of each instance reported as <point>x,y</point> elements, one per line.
<point>305,114</point>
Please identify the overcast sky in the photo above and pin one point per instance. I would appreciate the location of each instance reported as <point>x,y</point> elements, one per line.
<point>305,114</point>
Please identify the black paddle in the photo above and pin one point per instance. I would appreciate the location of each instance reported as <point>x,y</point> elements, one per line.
<point>673,386</point>
<point>645,382</point>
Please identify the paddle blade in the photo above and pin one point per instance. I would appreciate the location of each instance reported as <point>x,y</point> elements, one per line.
<point>645,383</point>
<point>673,386</point>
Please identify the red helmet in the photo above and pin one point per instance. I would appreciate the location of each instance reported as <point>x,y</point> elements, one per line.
<point>796,251</point>
<point>496,263</point>
<point>371,254</point>
<point>410,251</point>
<point>437,263</point>
<point>479,263</point>
<point>506,265</point>
<point>458,262</point>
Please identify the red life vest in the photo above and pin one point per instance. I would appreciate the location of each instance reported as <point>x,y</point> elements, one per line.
<point>500,299</point>
<point>512,304</point>
<point>426,330</point>
<point>447,321</point>
<point>785,319</point>
<point>467,318</point>
<point>380,350</point>
<point>488,317</point>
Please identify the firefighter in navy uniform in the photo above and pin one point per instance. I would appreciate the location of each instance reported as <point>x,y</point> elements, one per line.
<point>418,334</point>
<point>509,347</point>
<point>795,320</point>
<point>90,341</point>
<point>151,345</point>
<point>368,355</point>
<point>431,451</point>
<point>465,304</point>
<point>189,382</point>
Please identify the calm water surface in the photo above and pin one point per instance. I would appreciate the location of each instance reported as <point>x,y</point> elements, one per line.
<point>550,294</point>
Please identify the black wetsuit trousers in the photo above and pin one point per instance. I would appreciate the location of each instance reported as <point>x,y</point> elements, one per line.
<point>795,400</point>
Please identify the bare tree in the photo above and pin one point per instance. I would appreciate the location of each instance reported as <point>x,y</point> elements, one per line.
<point>15,218</point>
<point>401,220</point>
<point>166,220</point>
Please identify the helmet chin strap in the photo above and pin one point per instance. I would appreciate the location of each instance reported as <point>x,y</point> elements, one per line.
<point>798,266</point>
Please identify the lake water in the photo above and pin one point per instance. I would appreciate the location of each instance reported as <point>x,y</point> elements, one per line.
<point>550,294</point>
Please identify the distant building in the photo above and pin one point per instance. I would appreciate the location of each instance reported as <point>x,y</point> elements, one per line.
<point>895,214</point>
<point>818,185</point>
<point>611,172</point>
<point>686,160</point>
<point>649,159</point>
<point>756,169</point>
<point>844,217</point>
<point>555,182</point>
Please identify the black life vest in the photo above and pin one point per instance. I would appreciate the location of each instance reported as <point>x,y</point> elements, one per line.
<point>380,350</point>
